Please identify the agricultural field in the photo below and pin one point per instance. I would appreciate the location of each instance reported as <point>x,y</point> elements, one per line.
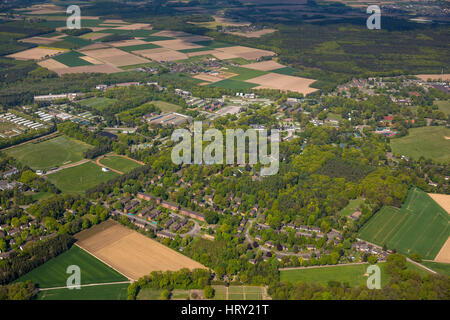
<point>102,292</point>
<point>130,252</point>
<point>428,142</point>
<point>119,163</point>
<point>50,153</point>
<point>353,274</point>
<point>351,207</point>
<point>419,226</point>
<point>53,273</point>
<point>80,178</point>
<point>238,292</point>
<point>72,59</point>
<point>233,84</point>
<point>442,268</point>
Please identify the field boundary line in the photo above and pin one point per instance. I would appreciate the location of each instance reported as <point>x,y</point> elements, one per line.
<point>87,285</point>
<point>129,278</point>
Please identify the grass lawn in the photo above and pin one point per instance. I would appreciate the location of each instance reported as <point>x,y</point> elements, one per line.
<point>419,226</point>
<point>444,106</point>
<point>166,106</point>
<point>442,268</point>
<point>119,163</point>
<point>98,103</point>
<point>80,178</point>
<point>352,274</point>
<point>104,292</point>
<point>178,294</point>
<point>428,142</point>
<point>41,195</point>
<point>53,273</point>
<point>352,206</point>
<point>50,153</point>
<point>149,294</point>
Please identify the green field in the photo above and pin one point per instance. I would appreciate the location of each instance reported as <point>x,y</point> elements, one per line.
<point>72,59</point>
<point>119,163</point>
<point>149,294</point>
<point>53,273</point>
<point>50,153</point>
<point>80,178</point>
<point>444,106</point>
<point>98,103</point>
<point>442,268</point>
<point>352,206</point>
<point>288,71</point>
<point>420,226</point>
<point>166,106</point>
<point>352,274</point>
<point>428,142</point>
<point>245,73</point>
<point>104,292</point>
<point>233,84</point>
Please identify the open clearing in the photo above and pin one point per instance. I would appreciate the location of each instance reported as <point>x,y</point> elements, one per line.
<point>103,292</point>
<point>428,142</point>
<point>283,82</point>
<point>353,274</point>
<point>166,106</point>
<point>35,53</point>
<point>352,206</point>
<point>80,178</point>
<point>253,34</point>
<point>50,153</point>
<point>130,252</point>
<point>53,273</point>
<point>419,226</point>
<point>99,103</point>
<point>444,106</point>
<point>245,52</point>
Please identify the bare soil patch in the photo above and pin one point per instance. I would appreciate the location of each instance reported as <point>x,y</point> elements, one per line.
<point>52,64</point>
<point>284,83</point>
<point>425,77</point>
<point>177,44</point>
<point>115,57</point>
<point>253,34</point>
<point>246,52</point>
<point>35,54</point>
<point>264,66</point>
<point>96,68</point>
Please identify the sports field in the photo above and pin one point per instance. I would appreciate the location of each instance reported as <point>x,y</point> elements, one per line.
<point>80,178</point>
<point>166,106</point>
<point>130,252</point>
<point>429,142</point>
<point>353,274</point>
<point>50,153</point>
<point>103,292</point>
<point>53,273</point>
<point>119,163</point>
<point>238,292</point>
<point>352,206</point>
<point>420,226</point>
